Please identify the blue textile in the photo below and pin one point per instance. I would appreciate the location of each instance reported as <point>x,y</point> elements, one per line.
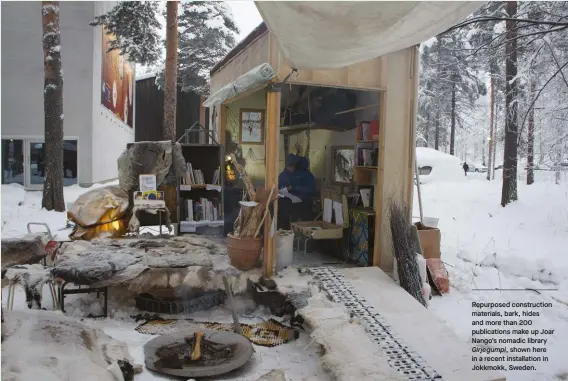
<point>301,180</point>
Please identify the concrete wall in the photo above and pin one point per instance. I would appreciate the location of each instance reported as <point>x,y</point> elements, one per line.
<point>23,74</point>
<point>110,134</point>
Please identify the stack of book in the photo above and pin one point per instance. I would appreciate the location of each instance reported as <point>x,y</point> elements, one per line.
<point>202,210</point>
<point>367,157</point>
<point>195,176</point>
<point>367,131</point>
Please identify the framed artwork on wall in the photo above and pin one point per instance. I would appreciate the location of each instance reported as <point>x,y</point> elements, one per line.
<point>342,164</point>
<point>251,126</point>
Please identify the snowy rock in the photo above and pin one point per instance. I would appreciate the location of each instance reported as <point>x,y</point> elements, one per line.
<point>20,251</point>
<point>42,345</point>
<point>275,375</point>
<point>164,159</point>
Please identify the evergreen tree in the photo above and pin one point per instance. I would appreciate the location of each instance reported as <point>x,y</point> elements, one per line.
<point>136,29</point>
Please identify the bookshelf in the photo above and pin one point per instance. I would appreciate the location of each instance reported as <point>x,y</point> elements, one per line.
<point>366,153</point>
<point>200,191</point>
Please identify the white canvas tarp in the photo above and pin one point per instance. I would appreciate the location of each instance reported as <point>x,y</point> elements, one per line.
<point>327,35</point>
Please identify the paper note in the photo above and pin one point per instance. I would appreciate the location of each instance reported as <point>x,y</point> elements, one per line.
<point>284,192</point>
<point>338,211</point>
<point>147,183</point>
<point>327,209</point>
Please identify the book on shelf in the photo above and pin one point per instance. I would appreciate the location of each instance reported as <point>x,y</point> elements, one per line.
<point>367,157</point>
<point>196,177</point>
<point>202,210</point>
<point>368,131</point>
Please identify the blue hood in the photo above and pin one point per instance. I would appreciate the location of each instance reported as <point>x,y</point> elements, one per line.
<point>301,180</point>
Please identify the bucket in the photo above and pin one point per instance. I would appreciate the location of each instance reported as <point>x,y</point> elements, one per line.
<point>244,252</point>
<point>284,249</point>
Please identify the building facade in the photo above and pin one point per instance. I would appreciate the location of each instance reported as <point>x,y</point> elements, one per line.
<point>98,95</point>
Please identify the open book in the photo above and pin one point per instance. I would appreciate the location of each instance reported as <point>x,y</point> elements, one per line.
<point>284,193</point>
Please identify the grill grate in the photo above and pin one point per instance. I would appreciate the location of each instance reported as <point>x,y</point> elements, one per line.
<point>400,357</point>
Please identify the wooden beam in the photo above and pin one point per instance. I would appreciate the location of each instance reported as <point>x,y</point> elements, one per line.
<point>356,109</point>
<point>415,69</point>
<point>271,170</point>
<point>379,200</point>
<point>222,123</point>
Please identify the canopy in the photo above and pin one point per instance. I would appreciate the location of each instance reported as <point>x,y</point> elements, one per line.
<point>327,35</point>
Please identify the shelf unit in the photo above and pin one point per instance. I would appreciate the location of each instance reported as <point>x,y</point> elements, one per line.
<point>366,167</point>
<point>208,158</point>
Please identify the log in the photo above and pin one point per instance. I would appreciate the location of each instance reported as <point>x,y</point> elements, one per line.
<point>265,211</point>
<point>244,176</point>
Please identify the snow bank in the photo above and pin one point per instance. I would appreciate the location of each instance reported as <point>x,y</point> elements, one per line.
<point>444,167</point>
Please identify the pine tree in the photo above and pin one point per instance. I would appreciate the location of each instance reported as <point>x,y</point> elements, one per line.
<point>53,108</point>
<point>206,34</point>
<point>136,28</point>
<point>170,88</point>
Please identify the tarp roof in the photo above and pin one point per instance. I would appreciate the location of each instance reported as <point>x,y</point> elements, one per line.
<point>327,35</point>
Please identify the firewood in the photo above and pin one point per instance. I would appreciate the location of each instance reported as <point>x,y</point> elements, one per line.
<point>196,352</point>
<point>244,176</point>
<point>265,211</point>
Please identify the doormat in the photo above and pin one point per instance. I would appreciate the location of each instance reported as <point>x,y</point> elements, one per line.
<point>266,334</point>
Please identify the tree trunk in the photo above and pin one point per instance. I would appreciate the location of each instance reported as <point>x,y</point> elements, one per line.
<point>509,190</point>
<point>170,85</point>
<point>530,140</point>
<point>453,126</point>
<point>427,133</point>
<point>490,163</point>
<point>496,112</point>
<point>53,109</point>
<point>437,132</point>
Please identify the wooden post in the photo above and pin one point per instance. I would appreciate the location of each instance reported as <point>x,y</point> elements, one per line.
<point>222,128</point>
<point>271,172</point>
<point>379,200</point>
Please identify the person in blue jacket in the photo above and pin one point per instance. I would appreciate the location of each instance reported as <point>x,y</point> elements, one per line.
<point>300,182</point>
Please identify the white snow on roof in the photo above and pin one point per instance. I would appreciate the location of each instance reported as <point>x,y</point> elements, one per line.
<point>145,76</point>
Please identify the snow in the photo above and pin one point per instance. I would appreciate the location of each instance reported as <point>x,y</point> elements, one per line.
<point>483,244</point>
<point>444,167</point>
<point>520,246</point>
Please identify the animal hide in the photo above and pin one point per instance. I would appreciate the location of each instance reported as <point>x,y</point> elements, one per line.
<point>31,278</point>
<point>42,345</point>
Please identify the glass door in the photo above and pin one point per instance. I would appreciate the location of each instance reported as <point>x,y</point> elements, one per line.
<point>35,165</point>
<point>13,161</point>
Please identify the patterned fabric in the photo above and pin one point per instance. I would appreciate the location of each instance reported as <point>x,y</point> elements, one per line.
<point>266,334</point>
<point>359,235</point>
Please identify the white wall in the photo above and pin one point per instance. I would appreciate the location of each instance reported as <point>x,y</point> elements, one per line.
<point>23,74</point>
<point>110,134</point>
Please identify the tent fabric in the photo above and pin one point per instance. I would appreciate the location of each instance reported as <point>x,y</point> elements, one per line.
<point>257,76</point>
<point>329,35</point>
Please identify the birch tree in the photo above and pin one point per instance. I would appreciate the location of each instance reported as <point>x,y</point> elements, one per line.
<point>53,108</point>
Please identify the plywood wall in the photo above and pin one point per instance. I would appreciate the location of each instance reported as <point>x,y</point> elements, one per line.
<point>255,54</point>
<point>399,142</point>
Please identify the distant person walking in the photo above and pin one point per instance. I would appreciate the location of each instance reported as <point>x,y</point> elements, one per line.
<point>465,168</point>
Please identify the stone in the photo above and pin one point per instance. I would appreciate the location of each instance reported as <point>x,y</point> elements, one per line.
<point>150,158</point>
<point>22,251</point>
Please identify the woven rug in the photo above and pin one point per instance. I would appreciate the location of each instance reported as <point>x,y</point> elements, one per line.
<point>267,334</point>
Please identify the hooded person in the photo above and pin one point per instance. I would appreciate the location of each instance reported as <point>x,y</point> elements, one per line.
<point>300,182</point>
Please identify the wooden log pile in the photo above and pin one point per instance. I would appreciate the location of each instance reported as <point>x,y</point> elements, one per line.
<point>253,212</point>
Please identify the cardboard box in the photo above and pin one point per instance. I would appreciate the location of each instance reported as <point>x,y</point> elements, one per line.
<point>429,241</point>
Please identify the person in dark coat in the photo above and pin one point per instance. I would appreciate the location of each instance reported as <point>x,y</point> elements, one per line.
<point>300,182</point>
<point>465,168</point>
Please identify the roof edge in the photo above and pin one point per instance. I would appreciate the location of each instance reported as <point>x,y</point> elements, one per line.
<point>256,33</point>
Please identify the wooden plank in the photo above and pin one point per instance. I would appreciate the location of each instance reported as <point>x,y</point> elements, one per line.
<point>413,95</point>
<point>379,200</point>
<point>222,124</point>
<point>271,169</point>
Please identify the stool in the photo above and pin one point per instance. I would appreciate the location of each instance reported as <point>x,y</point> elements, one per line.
<point>12,289</point>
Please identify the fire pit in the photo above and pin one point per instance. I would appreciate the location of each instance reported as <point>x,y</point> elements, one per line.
<point>197,353</point>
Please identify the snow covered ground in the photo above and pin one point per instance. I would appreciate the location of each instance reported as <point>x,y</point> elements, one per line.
<point>484,246</point>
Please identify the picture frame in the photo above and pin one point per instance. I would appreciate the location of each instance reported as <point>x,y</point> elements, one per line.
<point>342,164</point>
<point>251,126</point>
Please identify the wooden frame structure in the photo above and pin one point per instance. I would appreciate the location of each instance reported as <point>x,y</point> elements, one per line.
<point>394,77</point>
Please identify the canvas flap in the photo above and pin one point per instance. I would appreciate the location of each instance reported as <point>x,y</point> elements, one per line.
<point>328,35</point>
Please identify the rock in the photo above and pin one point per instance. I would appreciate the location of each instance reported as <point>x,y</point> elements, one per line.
<point>150,158</point>
<point>22,251</point>
<point>275,375</point>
